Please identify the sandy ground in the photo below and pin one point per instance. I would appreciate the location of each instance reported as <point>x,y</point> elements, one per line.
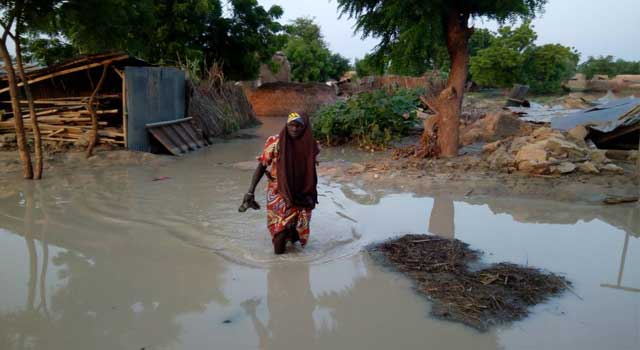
<point>470,176</point>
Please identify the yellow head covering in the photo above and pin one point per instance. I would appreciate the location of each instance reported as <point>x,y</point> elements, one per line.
<point>295,117</point>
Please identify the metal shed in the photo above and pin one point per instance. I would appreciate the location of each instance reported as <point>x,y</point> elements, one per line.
<point>154,94</point>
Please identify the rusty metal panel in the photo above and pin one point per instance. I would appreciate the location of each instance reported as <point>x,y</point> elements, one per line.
<point>177,136</point>
<point>154,94</point>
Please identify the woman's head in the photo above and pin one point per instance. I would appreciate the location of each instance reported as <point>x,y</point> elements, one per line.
<point>295,125</point>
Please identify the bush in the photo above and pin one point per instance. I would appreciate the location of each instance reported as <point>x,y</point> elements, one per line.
<point>370,119</point>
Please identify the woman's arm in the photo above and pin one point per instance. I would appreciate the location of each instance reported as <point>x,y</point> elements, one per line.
<point>249,199</point>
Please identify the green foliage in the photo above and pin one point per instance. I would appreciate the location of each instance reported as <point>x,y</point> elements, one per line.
<point>480,39</point>
<point>512,57</point>
<point>310,58</point>
<point>418,58</point>
<point>501,64</point>
<point>48,51</point>
<point>411,34</point>
<point>370,65</point>
<point>338,65</point>
<point>371,119</point>
<point>161,31</point>
<point>608,66</point>
<point>547,66</point>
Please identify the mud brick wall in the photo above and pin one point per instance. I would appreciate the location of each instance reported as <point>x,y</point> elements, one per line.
<point>279,99</point>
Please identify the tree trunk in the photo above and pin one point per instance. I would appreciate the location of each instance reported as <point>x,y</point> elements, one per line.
<point>37,139</point>
<point>94,116</point>
<point>448,104</point>
<point>23,150</point>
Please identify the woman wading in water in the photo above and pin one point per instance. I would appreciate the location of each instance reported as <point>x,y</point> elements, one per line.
<point>291,191</point>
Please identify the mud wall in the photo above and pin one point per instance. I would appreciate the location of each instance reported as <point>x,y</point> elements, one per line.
<point>602,83</point>
<point>279,99</point>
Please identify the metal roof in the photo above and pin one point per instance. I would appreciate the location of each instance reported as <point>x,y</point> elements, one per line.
<point>177,136</point>
<point>604,118</point>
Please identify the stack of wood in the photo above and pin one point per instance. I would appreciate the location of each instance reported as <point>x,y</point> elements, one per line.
<point>68,120</point>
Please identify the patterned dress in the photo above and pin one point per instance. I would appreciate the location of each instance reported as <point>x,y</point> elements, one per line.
<point>280,216</point>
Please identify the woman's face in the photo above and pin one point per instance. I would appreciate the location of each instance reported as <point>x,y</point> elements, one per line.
<point>295,129</point>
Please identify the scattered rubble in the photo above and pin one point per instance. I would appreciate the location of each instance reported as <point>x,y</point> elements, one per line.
<point>546,152</point>
<point>482,298</point>
<point>493,127</point>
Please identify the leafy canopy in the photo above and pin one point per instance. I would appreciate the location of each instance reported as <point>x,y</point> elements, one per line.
<point>512,57</point>
<point>406,62</point>
<point>162,31</point>
<point>412,33</point>
<point>309,55</point>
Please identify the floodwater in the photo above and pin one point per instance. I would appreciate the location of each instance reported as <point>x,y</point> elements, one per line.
<point>109,259</point>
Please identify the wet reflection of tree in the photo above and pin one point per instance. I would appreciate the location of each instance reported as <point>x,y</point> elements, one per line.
<point>119,285</point>
<point>441,220</point>
<point>634,221</point>
<point>290,303</point>
<point>372,312</point>
<point>12,324</point>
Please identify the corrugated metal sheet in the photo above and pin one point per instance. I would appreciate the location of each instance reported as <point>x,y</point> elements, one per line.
<point>177,136</point>
<point>604,118</point>
<point>154,94</point>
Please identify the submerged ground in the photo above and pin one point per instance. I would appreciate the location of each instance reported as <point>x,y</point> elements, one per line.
<point>103,257</point>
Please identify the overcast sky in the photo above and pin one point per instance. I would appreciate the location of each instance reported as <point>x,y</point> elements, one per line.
<point>593,27</point>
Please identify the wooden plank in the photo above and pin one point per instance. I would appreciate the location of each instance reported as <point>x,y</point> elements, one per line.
<point>68,71</point>
<point>621,131</point>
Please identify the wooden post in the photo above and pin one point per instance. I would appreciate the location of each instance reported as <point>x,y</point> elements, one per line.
<point>23,148</point>
<point>125,117</point>
<point>92,110</point>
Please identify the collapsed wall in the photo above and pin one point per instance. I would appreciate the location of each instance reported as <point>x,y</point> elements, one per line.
<point>279,99</point>
<point>602,83</point>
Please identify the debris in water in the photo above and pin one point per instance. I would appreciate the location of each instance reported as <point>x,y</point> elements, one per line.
<point>494,295</point>
<point>621,200</point>
<point>161,178</point>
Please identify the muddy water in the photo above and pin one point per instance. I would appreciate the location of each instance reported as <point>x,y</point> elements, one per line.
<point>109,259</point>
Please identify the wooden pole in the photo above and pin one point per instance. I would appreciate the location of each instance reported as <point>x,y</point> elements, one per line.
<point>125,116</point>
<point>37,138</point>
<point>94,116</point>
<point>23,150</point>
<point>70,70</point>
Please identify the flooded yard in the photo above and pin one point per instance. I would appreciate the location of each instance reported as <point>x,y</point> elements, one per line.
<point>108,258</point>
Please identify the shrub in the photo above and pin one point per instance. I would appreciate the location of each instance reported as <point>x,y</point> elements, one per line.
<point>370,119</point>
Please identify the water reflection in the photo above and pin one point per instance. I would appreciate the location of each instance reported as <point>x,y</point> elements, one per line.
<point>290,304</point>
<point>623,260</point>
<point>441,220</point>
<point>110,288</point>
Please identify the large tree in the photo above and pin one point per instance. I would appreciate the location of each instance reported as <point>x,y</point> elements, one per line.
<point>17,15</point>
<point>394,21</point>
<point>513,57</point>
<point>309,55</point>
<point>162,31</point>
